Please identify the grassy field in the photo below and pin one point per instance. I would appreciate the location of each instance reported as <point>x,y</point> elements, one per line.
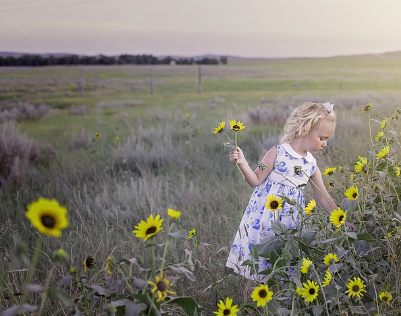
<point>165,155</point>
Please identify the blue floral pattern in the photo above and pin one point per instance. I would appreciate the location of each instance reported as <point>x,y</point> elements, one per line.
<point>256,221</point>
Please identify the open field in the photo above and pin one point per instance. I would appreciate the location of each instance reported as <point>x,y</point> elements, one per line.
<point>154,152</point>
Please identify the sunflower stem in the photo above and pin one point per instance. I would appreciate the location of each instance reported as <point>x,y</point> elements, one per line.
<point>321,287</point>
<point>370,131</point>
<point>153,260</point>
<point>44,296</point>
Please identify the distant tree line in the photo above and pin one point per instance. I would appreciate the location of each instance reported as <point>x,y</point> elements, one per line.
<point>38,60</point>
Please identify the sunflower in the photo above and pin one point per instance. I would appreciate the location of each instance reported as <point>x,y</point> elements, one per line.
<point>383,124</point>
<point>383,152</point>
<point>385,296</point>
<point>116,139</point>
<point>327,278</point>
<point>236,126</point>
<point>97,135</point>
<point>355,287</point>
<point>191,233</point>
<point>367,108</point>
<point>331,184</point>
<point>89,262</point>
<point>227,309</point>
<point>274,202</point>
<point>338,217</point>
<point>340,168</point>
<point>161,287</point>
<point>220,128</point>
<point>360,165</point>
<point>379,136</point>
<point>261,295</point>
<point>48,216</point>
<point>305,265</point>
<point>352,193</point>
<point>147,229</point>
<point>330,258</point>
<point>329,171</point>
<point>173,213</point>
<point>397,171</point>
<point>60,255</point>
<point>310,207</point>
<point>309,291</point>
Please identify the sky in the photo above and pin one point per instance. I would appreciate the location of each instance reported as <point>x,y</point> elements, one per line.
<point>246,28</point>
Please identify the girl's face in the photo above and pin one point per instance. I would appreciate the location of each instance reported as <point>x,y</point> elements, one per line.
<point>319,135</point>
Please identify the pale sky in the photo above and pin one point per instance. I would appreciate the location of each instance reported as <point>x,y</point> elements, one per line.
<point>248,28</point>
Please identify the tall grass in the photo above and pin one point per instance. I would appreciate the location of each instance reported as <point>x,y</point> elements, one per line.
<point>164,159</point>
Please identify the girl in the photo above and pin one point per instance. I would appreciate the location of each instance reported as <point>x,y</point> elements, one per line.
<point>306,131</point>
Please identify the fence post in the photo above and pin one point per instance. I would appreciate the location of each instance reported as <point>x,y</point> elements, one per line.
<point>199,79</point>
<point>152,84</point>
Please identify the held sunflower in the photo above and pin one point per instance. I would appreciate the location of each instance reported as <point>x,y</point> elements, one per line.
<point>352,193</point>
<point>355,288</point>
<point>219,129</point>
<point>310,207</point>
<point>161,287</point>
<point>261,295</point>
<point>151,227</point>
<point>226,308</point>
<point>236,126</point>
<point>338,217</point>
<point>274,202</point>
<point>47,216</point>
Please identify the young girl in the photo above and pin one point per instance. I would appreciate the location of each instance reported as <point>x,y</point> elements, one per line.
<point>306,131</point>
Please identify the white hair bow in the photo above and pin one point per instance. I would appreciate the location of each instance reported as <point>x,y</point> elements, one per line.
<point>328,106</point>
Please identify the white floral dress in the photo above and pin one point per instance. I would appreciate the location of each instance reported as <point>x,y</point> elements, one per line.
<point>256,222</point>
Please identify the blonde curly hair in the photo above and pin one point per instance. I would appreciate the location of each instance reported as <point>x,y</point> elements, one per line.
<point>303,119</point>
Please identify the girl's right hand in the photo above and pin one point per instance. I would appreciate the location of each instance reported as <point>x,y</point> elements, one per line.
<point>237,156</point>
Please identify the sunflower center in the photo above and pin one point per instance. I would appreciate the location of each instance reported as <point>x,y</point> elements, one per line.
<point>262,293</point>
<point>355,288</point>
<point>312,291</point>
<point>227,312</point>
<point>48,221</point>
<point>89,262</point>
<point>235,128</point>
<point>355,195</point>
<point>161,286</point>
<point>151,230</point>
<point>341,218</point>
<point>274,205</point>
<point>385,298</point>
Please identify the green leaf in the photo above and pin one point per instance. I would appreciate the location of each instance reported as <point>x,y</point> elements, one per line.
<point>16,310</point>
<point>279,228</point>
<point>135,308</point>
<point>307,235</point>
<point>287,200</point>
<point>366,236</point>
<point>317,310</point>
<point>99,290</point>
<point>180,234</point>
<point>183,270</point>
<point>140,283</point>
<point>187,303</point>
<point>270,244</point>
<point>381,166</point>
<point>292,247</point>
<point>351,235</point>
